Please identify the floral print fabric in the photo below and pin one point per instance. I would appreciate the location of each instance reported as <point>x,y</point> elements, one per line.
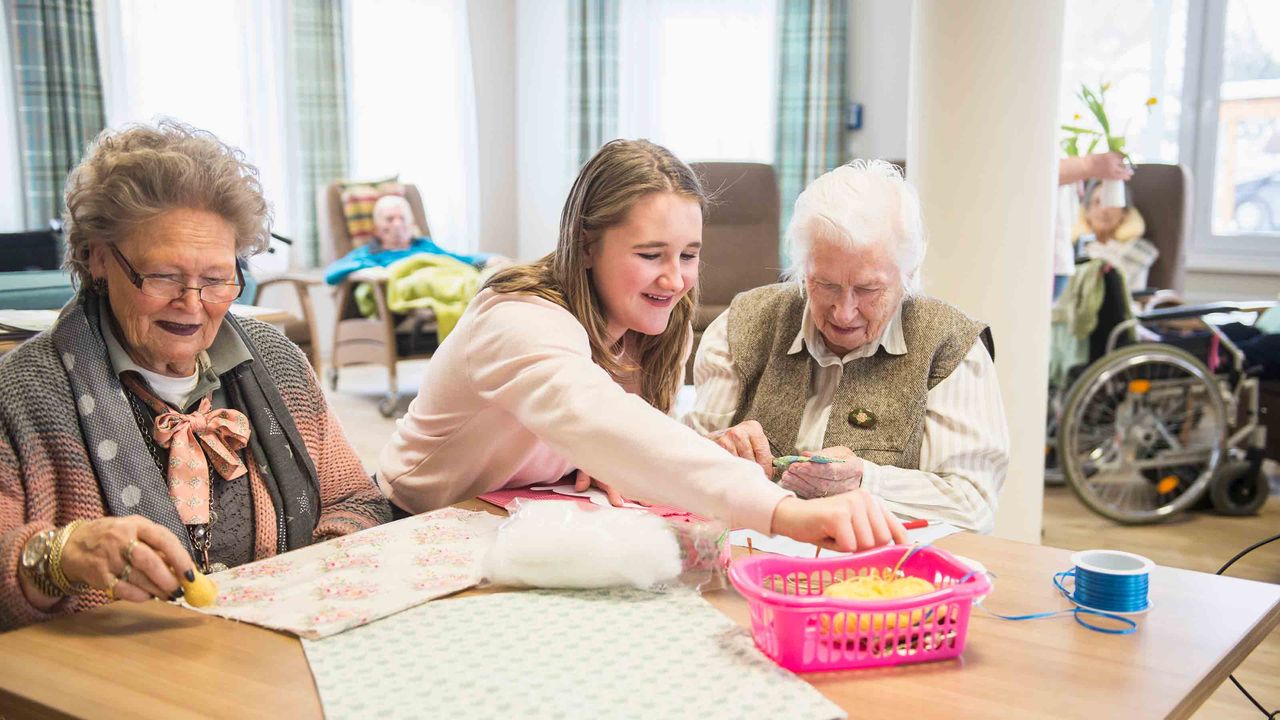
<point>324,589</point>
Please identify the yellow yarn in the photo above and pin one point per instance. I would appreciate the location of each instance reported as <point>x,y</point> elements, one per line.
<point>876,586</point>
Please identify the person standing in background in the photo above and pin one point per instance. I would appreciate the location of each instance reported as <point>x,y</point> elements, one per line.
<point>1072,171</point>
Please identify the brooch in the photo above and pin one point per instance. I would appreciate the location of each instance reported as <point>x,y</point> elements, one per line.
<point>862,418</point>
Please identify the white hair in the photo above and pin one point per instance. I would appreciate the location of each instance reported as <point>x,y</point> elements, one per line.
<point>864,202</point>
<point>389,201</point>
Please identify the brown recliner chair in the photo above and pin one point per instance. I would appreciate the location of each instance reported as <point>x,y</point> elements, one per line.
<point>1162,193</point>
<point>386,338</point>
<point>739,238</point>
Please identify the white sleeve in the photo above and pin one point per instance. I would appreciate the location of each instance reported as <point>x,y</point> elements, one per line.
<point>716,379</point>
<point>964,456</point>
<point>530,361</point>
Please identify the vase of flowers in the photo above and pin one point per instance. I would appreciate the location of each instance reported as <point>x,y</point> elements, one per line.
<point>1112,191</point>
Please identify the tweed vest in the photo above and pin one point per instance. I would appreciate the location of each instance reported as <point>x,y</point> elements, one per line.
<point>763,323</point>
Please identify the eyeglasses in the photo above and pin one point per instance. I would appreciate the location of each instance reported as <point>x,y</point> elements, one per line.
<point>157,286</point>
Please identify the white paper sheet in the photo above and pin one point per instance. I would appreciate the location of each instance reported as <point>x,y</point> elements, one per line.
<point>543,654</point>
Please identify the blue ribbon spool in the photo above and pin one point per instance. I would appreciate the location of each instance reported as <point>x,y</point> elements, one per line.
<point>1108,583</point>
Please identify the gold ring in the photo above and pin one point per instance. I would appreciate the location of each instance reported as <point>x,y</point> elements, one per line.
<point>124,574</point>
<point>111,588</point>
<point>128,551</point>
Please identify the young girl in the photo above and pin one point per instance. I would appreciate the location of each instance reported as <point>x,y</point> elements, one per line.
<point>573,362</point>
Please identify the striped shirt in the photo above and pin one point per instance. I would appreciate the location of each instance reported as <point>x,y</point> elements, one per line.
<point>965,451</point>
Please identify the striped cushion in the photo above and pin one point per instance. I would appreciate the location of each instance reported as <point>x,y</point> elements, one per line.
<point>358,199</point>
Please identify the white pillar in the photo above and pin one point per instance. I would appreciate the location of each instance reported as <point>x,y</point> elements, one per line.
<point>981,149</point>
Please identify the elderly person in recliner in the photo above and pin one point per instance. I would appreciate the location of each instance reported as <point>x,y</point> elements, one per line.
<point>848,361</point>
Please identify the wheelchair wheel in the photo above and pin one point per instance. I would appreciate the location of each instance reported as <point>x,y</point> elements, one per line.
<point>1142,432</point>
<point>1243,491</point>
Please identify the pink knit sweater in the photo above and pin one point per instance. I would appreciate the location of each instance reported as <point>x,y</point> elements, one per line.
<point>512,398</point>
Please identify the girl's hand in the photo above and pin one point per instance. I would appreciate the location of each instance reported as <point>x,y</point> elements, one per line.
<point>848,522</point>
<point>583,481</point>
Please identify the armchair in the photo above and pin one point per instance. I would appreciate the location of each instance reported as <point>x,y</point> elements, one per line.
<point>386,338</point>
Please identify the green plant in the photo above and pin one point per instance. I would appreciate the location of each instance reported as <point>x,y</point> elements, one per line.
<point>1095,102</point>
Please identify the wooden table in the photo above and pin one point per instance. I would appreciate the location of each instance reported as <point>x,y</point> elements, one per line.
<point>271,316</point>
<point>158,660</point>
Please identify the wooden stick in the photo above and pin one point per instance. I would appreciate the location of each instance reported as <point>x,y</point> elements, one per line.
<point>817,551</point>
<point>903,559</point>
<point>749,548</point>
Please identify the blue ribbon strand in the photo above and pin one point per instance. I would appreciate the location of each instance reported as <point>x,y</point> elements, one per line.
<point>1097,594</point>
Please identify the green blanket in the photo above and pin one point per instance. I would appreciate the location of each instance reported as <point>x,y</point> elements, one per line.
<point>1075,315</point>
<point>426,281</point>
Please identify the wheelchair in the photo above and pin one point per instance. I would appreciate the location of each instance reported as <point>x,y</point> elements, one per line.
<point>1164,418</point>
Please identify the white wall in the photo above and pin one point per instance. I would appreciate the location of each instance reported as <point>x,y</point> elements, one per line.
<point>967,59</point>
<point>543,168</point>
<point>879,61</point>
<point>493,67</point>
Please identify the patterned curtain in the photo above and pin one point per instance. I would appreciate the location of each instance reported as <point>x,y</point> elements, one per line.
<point>812,94</point>
<point>320,105</point>
<point>593,77</point>
<point>59,96</point>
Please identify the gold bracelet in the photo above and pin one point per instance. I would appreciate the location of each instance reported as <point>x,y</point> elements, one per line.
<point>58,577</point>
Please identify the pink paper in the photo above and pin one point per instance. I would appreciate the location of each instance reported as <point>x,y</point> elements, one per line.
<point>502,498</point>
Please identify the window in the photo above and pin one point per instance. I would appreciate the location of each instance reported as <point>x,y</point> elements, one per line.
<point>1139,48</point>
<point>227,78</point>
<point>696,76</point>
<point>413,108</point>
<point>1221,57</point>
<point>1238,147</point>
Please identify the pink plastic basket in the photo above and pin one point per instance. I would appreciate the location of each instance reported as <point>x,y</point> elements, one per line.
<point>801,630</point>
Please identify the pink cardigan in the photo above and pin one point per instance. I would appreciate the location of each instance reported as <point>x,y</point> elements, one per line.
<point>512,398</point>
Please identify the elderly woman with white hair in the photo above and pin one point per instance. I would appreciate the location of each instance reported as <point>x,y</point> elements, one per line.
<point>848,360</point>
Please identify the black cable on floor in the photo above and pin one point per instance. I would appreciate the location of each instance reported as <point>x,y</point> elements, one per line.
<point>1271,714</point>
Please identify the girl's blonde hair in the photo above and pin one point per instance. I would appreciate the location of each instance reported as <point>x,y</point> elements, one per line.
<point>608,186</point>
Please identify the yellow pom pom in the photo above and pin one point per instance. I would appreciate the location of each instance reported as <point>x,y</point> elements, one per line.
<point>200,592</point>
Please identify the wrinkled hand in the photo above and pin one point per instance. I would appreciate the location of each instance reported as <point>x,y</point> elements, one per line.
<point>848,522</point>
<point>1109,166</point>
<point>747,440</point>
<point>95,555</point>
<point>814,480</point>
<point>583,481</point>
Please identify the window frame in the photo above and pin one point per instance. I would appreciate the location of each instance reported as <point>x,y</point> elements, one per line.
<point>1252,253</point>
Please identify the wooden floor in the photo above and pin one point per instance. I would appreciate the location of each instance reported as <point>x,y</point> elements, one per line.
<point>1196,541</point>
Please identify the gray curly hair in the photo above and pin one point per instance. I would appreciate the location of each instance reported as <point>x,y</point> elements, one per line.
<point>130,175</point>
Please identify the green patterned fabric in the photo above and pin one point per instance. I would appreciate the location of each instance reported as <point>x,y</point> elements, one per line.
<point>59,96</point>
<point>593,77</point>
<point>812,94</point>
<point>320,97</point>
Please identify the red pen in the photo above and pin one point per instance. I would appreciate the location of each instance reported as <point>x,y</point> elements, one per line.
<point>915,524</point>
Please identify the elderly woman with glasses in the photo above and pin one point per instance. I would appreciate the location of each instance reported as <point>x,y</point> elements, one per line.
<point>849,361</point>
<point>149,433</point>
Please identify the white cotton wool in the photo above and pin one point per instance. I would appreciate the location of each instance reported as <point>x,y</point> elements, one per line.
<point>558,544</point>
